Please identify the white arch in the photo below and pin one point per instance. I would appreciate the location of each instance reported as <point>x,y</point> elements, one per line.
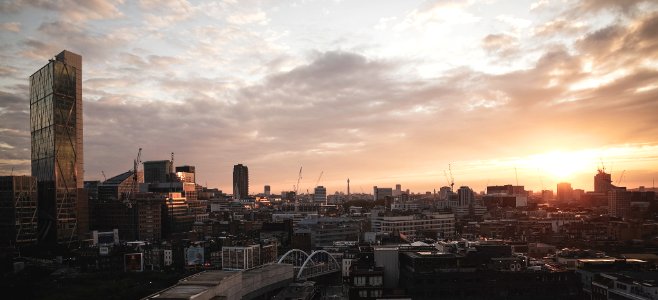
<point>290,252</point>
<point>310,257</point>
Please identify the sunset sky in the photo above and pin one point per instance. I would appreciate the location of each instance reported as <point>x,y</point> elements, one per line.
<point>382,92</point>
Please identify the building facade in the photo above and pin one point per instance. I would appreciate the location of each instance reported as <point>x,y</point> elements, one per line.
<point>57,146</point>
<point>158,171</point>
<point>320,194</point>
<point>18,210</point>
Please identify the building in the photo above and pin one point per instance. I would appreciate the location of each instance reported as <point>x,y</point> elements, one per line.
<point>324,231</point>
<point>564,192</point>
<point>240,257</point>
<point>602,182</point>
<point>186,173</point>
<point>158,171</point>
<point>466,196</point>
<point>320,194</point>
<point>619,202</point>
<point>119,187</point>
<point>267,190</point>
<point>381,193</point>
<point>57,147</point>
<point>411,225</point>
<point>240,182</point>
<point>18,210</point>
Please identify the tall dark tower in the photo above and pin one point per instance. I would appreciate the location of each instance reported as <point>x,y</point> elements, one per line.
<point>57,157</point>
<point>240,181</point>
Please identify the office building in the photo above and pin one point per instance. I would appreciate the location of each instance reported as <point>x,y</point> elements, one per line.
<point>267,190</point>
<point>18,210</point>
<point>411,225</point>
<point>186,174</point>
<point>619,202</point>
<point>466,196</point>
<point>240,182</point>
<point>320,194</point>
<point>57,152</point>
<point>381,193</point>
<point>158,171</point>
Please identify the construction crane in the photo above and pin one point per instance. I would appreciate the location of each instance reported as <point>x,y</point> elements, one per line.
<point>136,162</point>
<point>104,177</point>
<point>297,188</point>
<point>621,177</point>
<point>452,178</point>
<point>319,177</point>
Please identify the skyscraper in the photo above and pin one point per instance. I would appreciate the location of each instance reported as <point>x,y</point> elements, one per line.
<point>240,181</point>
<point>564,192</point>
<point>57,157</point>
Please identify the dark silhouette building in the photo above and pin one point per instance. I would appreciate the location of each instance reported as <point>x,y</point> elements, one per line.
<point>57,157</point>
<point>158,171</point>
<point>240,181</point>
<point>602,182</point>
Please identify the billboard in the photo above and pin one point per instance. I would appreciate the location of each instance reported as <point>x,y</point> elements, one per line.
<point>194,255</point>
<point>133,262</point>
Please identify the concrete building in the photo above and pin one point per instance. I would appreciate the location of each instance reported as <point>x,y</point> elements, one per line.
<point>158,171</point>
<point>267,190</point>
<point>57,148</point>
<point>18,210</point>
<point>240,182</point>
<point>320,194</point>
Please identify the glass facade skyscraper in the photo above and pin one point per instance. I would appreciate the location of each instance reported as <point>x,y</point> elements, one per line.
<point>56,133</point>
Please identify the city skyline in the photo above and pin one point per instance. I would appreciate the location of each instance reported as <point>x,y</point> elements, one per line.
<point>544,92</point>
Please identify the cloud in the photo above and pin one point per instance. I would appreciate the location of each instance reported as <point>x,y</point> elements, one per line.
<point>502,45</point>
<point>11,26</point>
<point>69,10</point>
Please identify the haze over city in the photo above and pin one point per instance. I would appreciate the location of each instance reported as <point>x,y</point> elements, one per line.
<point>546,91</point>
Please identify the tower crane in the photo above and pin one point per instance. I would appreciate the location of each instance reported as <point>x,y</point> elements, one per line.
<point>452,178</point>
<point>104,177</point>
<point>320,177</point>
<point>136,162</point>
<point>621,177</point>
<point>297,188</point>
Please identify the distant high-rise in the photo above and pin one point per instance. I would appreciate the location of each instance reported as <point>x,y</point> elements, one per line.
<point>240,181</point>
<point>320,194</point>
<point>619,202</point>
<point>466,196</point>
<point>57,155</point>
<point>564,192</point>
<point>158,171</point>
<point>602,182</point>
<point>266,190</point>
<point>381,193</point>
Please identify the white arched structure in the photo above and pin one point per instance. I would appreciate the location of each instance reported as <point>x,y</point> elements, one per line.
<point>324,263</point>
<point>292,257</point>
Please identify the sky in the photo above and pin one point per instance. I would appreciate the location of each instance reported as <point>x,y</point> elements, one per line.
<point>381,92</point>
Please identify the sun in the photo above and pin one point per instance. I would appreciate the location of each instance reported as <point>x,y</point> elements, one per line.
<point>561,165</point>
